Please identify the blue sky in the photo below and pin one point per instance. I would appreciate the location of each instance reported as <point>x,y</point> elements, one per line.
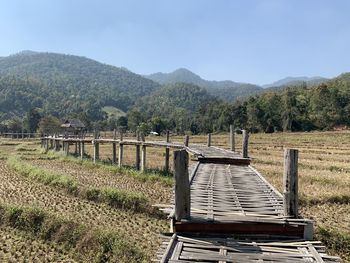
<point>242,40</point>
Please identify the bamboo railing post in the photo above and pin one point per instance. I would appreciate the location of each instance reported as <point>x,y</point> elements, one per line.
<point>167,153</point>
<point>66,148</point>
<point>232,138</point>
<point>138,157</point>
<point>82,150</point>
<point>186,140</point>
<point>290,182</point>
<point>245,144</point>
<point>114,147</point>
<point>46,145</point>
<point>120,154</point>
<point>96,147</point>
<point>182,186</point>
<point>143,154</point>
<point>209,140</point>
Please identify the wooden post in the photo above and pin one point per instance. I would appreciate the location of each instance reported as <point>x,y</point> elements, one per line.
<point>114,150</point>
<point>186,141</point>
<point>182,186</point>
<point>120,155</point>
<point>290,182</point>
<point>167,154</point>
<point>114,146</point>
<point>245,144</point>
<point>232,138</point>
<point>96,151</point>
<point>82,150</point>
<point>79,148</point>
<point>46,145</point>
<point>143,154</point>
<point>66,148</point>
<point>138,157</point>
<point>76,148</point>
<point>209,140</point>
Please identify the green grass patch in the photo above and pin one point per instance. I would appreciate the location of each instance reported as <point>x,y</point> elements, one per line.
<point>335,241</point>
<point>21,148</point>
<point>85,244</point>
<point>152,176</point>
<point>42,175</point>
<point>114,197</point>
<point>331,199</point>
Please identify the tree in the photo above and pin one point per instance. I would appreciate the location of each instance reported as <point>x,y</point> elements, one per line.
<point>31,121</point>
<point>122,123</point>
<point>49,125</point>
<point>157,125</point>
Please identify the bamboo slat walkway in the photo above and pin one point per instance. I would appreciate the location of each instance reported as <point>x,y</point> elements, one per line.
<point>221,192</point>
<point>180,249</point>
<point>236,216</point>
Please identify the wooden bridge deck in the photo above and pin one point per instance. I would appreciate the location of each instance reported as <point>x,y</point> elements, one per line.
<point>180,249</point>
<point>221,192</point>
<point>237,216</point>
<point>235,198</point>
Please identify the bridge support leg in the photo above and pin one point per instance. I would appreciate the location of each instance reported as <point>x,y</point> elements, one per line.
<point>232,138</point>
<point>182,186</point>
<point>245,143</point>
<point>167,154</point>
<point>209,140</point>
<point>290,181</point>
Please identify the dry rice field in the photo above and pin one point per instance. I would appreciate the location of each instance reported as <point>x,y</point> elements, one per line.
<point>324,187</point>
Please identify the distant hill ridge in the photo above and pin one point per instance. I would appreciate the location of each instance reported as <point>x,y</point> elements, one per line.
<point>293,81</point>
<point>226,90</point>
<point>65,84</point>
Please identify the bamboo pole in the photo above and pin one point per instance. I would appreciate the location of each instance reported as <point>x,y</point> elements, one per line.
<point>120,154</point>
<point>143,154</point>
<point>167,154</point>
<point>290,182</point>
<point>232,138</point>
<point>245,143</point>
<point>209,140</point>
<point>138,157</point>
<point>182,185</point>
<point>186,140</point>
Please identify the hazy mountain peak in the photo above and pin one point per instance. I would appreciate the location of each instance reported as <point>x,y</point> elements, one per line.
<point>25,53</point>
<point>226,90</point>
<point>292,81</point>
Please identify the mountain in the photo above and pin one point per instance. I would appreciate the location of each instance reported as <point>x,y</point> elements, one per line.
<point>65,84</point>
<point>295,81</point>
<point>227,90</point>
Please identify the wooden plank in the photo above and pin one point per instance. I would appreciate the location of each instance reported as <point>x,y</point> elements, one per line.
<point>169,250</point>
<point>223,160</point>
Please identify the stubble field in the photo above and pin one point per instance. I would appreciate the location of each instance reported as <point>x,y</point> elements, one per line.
<point>324,187</point>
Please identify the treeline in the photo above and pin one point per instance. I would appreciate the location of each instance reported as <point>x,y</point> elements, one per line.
<point>187,108</point>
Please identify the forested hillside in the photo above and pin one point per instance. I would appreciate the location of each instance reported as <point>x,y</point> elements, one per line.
<point>226,90</point>
<point>297,108</point>
<point>64,85</point>
<point>36,86</point>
